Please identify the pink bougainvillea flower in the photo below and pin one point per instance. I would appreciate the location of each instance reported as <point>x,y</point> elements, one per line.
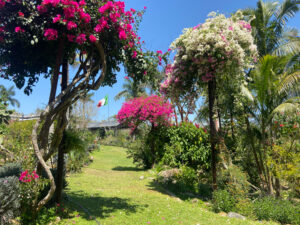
<point>82,3</point>
<point>71,25</point>
<point>122,35</point>
<point>2,3</point>
<point>21,14</point>
<point>19,30</point>
<point>92,38</point>
<point>41,9</point>
<point>57,18</point>
<point>134,54</point>
<point>281,125</point>
<point>81,38</point>
<point>159,52</point>
<point>127,78</point>
<point>71,37</point>
<point>51,34</point>
<point>27,177</point>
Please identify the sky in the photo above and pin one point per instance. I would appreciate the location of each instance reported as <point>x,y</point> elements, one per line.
<point>162,23</point>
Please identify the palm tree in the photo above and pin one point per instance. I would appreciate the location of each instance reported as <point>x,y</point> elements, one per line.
<point>269,27</point>
<point>131,89</point>
<point>9,94</point>
<point>274,88</point>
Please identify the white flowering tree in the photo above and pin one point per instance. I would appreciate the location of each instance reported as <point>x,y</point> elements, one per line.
<point>210,55</point>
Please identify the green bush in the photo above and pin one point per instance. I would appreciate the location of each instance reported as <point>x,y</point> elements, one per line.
<point>9,199</point>
<point>283,211</point>
<point>235,181</point>
<point>77,145</point>
<point>186,145</point>
<point>175,146</point>
<point>10,169</point>
<point>245,207</point>
<point>223,201</point>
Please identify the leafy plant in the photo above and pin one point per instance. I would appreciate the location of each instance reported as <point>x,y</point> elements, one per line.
<point>9,199</point>
<point>223,201</point>
<point>283,211</point>
<point>10,169</point>
<point>188,145</point>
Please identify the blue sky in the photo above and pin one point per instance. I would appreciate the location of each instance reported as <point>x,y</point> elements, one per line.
<point>163,22</point>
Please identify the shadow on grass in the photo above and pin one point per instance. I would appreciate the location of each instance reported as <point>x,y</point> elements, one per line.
<point>181,191</point>
<point>127,168</point>
<point>91,207</point>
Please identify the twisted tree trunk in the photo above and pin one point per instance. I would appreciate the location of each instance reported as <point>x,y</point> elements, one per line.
<point>61,148</point>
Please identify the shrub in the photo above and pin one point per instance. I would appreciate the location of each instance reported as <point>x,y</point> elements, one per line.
<point>283,211</point>
<point>235,181</point>
<point>188,145</point>
<point>10,169</point>
<point>9,199</point>
<point>223,201</point>
<point>245,207</point>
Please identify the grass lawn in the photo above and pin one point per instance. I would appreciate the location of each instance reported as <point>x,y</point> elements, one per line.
<point>110,191</point>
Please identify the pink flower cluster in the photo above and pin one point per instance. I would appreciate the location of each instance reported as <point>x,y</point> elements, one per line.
<point>19,30</point>
<point>51,34</point>
<point>27,177</point>
<point>245,25</point>
<point>113,15</point>
<point>2,3</point>
<point>153,109</point>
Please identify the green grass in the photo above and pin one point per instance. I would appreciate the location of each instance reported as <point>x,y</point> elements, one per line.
<point>110,191</point>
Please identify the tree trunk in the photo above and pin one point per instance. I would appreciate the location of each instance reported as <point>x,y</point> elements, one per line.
<point>61,149</point>
<point>55,75</point>
<point>258,165</point>
<point>277,187</point>
<point>213,132</point>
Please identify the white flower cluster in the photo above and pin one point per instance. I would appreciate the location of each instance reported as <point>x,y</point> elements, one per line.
<point>220,46</point>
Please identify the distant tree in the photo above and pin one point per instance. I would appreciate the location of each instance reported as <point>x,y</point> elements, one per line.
<point>9,95</point>
<point>131,89</point>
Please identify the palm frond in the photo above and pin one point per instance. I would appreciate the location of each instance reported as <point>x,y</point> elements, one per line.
<point>247,93</point>
<point>287,45</point>
<point>121,94</point>
<point>289,82</point>
<point>286,108</point>
<point>287,10</point>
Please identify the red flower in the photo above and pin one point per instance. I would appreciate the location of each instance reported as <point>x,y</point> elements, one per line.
<point>281,125</point>
<point>21,14</point>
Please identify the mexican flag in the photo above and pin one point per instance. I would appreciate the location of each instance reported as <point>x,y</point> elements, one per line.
<point>103,102</point>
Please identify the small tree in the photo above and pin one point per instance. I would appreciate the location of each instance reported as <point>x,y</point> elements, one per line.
<point>152,110</point>
<point>210,54</point>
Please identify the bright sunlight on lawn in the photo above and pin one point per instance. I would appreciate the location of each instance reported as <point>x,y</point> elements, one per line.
<point>110,191</point>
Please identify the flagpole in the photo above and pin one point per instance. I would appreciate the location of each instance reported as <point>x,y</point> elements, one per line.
<point>107,110</point>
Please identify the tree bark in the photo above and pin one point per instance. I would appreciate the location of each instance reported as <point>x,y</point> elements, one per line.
<point>61,149</point>
<point>54,79</point>
<point>213,132</point>
<point>258,165</point>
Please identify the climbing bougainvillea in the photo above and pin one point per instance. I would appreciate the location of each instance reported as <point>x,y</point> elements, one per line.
<point>28,28</point>
<point>153,109</point>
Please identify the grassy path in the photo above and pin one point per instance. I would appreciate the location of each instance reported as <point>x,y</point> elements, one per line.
<point>111,190</point>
